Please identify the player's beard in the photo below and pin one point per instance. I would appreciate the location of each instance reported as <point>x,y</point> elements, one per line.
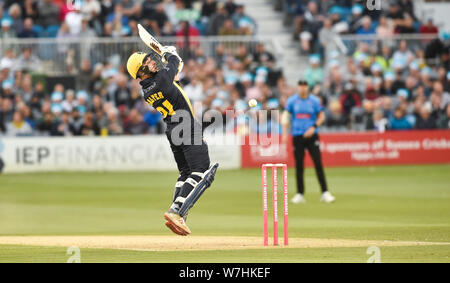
<point>146,71</point>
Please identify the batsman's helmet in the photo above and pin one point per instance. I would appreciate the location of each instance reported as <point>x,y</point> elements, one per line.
<point>135,62</point>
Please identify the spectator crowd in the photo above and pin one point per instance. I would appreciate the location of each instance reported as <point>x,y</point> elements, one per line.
<point>119,18</point>
<point>314,23</point>
<point>378,85</point>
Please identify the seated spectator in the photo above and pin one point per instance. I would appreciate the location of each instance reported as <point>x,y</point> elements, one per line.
<point>89,126</point>
<point>168,29</point>
<point>217,20</point>
<point>135,124</point>
<point>314,73</point>
<point>73,20</point>
<point>231,7</point>
<point>120,94</point>
<point>82,98</point>
<point>117,22</point>
<point>425,121</point>
<point>154,120</point>
<point>45,124</point>
<point>335,118</point>
<point>308,26</point>
<point>327,37</point>
<point>380,123</point>
<point>30,9</point>
<point>69,103</point>
<point>385,28</point>
<point>8,89</point>
<point>76,122</point>
<point>48,13</point>
<point>208,8</point>
<point>18,127</point>
<point>444,119</point>
<point>368,115</point>
<point>6,31</point>
<point>28,31</point>
<point>243,22</point>
<point>114,125</point>
<point>228,29</point>
<point>399,120</point>
<point>256,92</point>
<point>403,20</point>
<point>27,61</point>
<point>429,27</point>
<point>194,90</point>
<point>90,9</point>
<point>160,17</point>
<point>63,127</point>
<point>407,26</point>
<point>371,91</point>
<point>7,110</point>
<point>261,56</point>
<point>366,27</point>
<point>350,98</point>
<point>187,30</point>
<point>438,92</point>
<point>356,17</point>
<point>15,14</point>
<point>394,12</point>
<point>130,8</point>
<point>84,75</point>
<point>407,6</point>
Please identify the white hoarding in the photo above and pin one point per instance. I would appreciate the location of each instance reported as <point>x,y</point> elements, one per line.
<point>131,153</point>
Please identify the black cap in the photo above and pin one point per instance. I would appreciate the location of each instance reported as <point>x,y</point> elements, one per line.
<point>302,82</point>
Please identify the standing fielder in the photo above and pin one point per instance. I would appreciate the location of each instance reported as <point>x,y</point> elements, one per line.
<point>165,95</point>
<point>306,114</point>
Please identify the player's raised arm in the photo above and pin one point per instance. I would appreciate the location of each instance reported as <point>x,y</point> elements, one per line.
<point>174,62</point>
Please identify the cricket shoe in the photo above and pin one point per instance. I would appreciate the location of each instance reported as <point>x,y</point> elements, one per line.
<point>298,198</point>
<point>175,229</point>
<point>327,197</point>
<point>178,224</point>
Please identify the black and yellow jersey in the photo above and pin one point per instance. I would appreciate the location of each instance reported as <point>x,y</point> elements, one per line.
<point>164,94</point>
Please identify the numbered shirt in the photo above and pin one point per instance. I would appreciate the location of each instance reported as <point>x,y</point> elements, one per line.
<point>303,113</point>
<point>165,95</point>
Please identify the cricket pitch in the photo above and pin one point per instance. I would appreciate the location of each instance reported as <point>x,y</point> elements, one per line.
<point>194,243</point>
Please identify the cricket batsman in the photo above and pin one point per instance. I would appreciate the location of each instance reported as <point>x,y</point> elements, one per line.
<point>164,94</point>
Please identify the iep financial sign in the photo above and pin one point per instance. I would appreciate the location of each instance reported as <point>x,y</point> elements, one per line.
<point>126,153</point>
<point>87,154</point>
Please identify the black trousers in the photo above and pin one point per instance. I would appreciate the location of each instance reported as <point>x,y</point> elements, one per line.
<point>312,145</point>
<point>1,165</point>
<point>190,155</point>
<point>191,158</point>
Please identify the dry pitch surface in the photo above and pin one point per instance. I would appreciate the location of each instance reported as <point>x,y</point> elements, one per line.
<point>193,243</point>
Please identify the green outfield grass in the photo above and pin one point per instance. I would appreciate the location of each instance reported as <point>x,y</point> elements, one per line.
<point>397,203</point>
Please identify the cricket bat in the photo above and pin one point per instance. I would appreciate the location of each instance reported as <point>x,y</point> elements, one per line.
<point>154,44</point>
<point>149,40</point>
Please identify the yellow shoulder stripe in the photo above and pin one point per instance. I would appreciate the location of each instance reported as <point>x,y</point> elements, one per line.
<point>185,97</point>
